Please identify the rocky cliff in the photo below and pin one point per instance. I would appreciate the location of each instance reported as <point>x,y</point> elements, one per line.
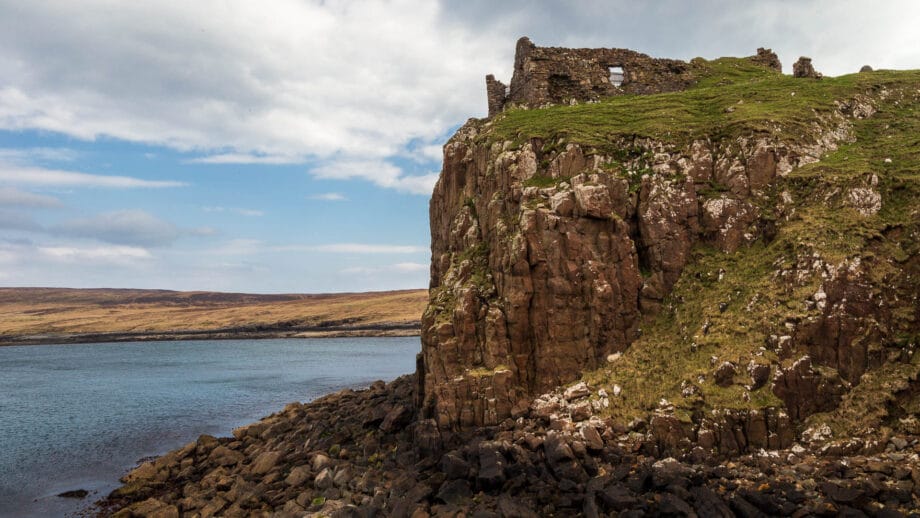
<point>748,244</point>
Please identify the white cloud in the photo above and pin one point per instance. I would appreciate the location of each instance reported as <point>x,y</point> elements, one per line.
<point>247,158</point>
<point>361,248</point>
<point>241,212</point>
<point>380,172</point>
<point>253,82</point>
<point>411,267</point>
<point>432,152</point>
<point>126,227</point>
<point>418,184</point>
<point>10,196</point>
<point>13,220</point>
<point>33,154</point>
<point>254,246</point>
<point>329,196</point>
<point>118,254</point>
<point>239,247</point>
<point>25,175</point>
<point>398,268</point>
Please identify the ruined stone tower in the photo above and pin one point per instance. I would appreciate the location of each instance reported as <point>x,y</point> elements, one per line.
<point>554,75</point>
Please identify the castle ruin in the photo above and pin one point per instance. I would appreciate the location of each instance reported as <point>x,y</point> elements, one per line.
<point>554,75</point>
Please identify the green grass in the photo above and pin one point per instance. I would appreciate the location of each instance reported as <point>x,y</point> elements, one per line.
<point>734,97</point>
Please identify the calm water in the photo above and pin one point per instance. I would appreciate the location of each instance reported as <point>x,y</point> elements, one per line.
<point>78,416</point>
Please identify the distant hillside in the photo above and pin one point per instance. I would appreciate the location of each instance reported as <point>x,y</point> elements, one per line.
<point>55,315</point>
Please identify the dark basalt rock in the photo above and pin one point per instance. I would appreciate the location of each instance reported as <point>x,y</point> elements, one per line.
<point>74,493</point>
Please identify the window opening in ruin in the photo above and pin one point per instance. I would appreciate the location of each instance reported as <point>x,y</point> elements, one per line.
<point>616,76</point>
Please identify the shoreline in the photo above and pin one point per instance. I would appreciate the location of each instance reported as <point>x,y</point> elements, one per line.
<point>241,333</point>
<point>369,452</point>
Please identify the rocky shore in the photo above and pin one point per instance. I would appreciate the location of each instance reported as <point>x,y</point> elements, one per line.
<point>365,453</point>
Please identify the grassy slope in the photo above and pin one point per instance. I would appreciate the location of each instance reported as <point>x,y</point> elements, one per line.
<point>27,311</point>
<point>673,349</point>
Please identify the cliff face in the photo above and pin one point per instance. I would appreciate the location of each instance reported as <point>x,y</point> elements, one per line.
<point>534,285</point>
<point>559,235</point>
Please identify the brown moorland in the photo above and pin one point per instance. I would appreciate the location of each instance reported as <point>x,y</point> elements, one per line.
<point>61,315</point>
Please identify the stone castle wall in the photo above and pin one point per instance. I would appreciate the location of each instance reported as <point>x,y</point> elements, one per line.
<point>553,75</point>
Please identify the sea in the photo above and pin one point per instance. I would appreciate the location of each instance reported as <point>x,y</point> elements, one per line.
<point>79,416</point>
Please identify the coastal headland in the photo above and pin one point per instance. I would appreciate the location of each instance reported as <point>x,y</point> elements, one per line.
<point>658,288</point>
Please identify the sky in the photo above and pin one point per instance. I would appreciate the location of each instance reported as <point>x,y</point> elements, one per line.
<point>290,146</point>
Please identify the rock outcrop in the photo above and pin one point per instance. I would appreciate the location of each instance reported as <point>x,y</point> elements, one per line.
<point>804,68</point>
<point>546,254</point>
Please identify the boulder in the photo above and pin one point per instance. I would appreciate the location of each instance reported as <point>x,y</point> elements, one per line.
<point>577,391</point>
<point>323,479</point>
<point>760,374</point>
<point>617,498</point>
<point>298,476</point>
<point>153,508</point>
<point>491,465</point>
<point>453,466</point>
<point>804,390</point>
<point>321,462</point>
<point>224,456</point>
<point>592,439</point>
<point>74,493</point>
<point>454,492</point>
<point>724,374</point>
<point>593,201</point>
<point>265,462</point>
<point>396,419</point>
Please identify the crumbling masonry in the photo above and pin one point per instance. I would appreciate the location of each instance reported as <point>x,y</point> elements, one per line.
<point>553,75</point>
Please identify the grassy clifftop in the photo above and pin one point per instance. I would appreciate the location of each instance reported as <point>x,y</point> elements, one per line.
<point>734,97</point>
